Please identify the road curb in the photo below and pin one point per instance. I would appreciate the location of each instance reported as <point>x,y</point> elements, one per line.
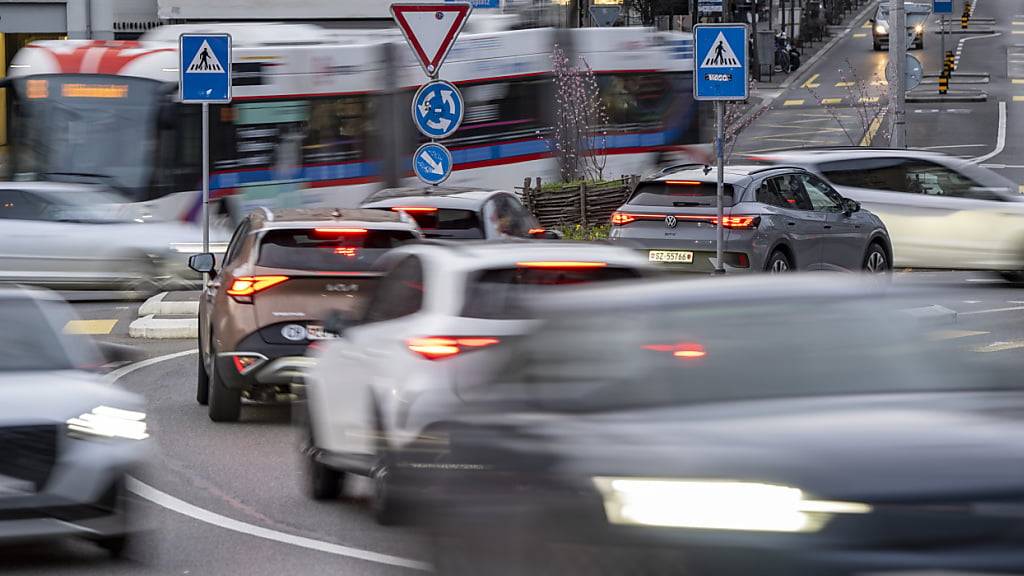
<point>158,305</point>
<point>979,96</point>
<point>813,61</point>
<point>156,328</point>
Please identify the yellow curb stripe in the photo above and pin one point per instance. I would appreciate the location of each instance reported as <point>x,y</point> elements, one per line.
<point>89,326</point>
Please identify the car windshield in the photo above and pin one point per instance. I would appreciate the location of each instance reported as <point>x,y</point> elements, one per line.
<point>499,293</point>
<point>681,193</point>
<point>32,340</point>
<point>328,249</point>
<point>699,353</point>
<point>447,222</point>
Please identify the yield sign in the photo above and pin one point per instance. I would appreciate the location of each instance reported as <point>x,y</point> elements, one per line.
<point>431,29</point>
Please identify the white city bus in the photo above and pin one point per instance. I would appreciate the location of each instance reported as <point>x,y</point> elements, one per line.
<point>321,117</point>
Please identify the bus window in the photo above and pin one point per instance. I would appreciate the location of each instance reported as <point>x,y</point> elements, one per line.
<point>508,110</point>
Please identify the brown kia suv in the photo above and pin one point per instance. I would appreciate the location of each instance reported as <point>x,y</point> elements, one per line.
<point>284,271</point>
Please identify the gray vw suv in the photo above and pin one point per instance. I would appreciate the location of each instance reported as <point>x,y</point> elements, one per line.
<point>776,219</point>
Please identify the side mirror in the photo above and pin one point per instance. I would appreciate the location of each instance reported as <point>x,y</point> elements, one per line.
<point>545,234</point>
<point>850,206</point>
<point>338,321</point>
<point>203,263</point>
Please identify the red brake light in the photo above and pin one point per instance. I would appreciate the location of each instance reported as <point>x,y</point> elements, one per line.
<point>622,218</point>
<point>440,347</point>
<point>561,264</point>
<point>536,231</point>
<point>683,182</point>
<point>740,222</point>
<point>339,231</point>
<point>681,350</point>
<point>349,251</point>
<point>243,287</point>
<point>414,209</point>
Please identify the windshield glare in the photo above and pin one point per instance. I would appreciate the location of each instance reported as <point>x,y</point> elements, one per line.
<point>86,128</point>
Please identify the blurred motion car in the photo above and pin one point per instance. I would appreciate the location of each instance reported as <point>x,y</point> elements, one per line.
<point>776,219</point>
<point>283,273</point>
<point>916,18</point>
<point>436,326</point>
<point>941,211</point>
<point>452,213</point>
<point>790,425</point>
<point>68,439</point>
<point>68,235</point>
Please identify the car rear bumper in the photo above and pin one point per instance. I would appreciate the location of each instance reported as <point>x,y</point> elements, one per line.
<point>271,364</point>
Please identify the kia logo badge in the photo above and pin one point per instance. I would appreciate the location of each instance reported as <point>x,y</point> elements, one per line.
<point>671,221</point>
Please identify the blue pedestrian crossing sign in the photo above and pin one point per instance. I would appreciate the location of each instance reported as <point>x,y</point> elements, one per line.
<point>942,6</point>
<point>437,109</point>
<point>720,61</point>
<point>432,163</point>
<point>204,68</point>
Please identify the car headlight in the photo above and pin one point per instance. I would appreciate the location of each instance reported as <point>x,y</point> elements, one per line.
<point>918,28</point>
<point>881,29</point>
<point>716,505</point>
<point>107,422</point>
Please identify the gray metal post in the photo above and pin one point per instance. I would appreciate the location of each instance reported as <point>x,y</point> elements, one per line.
<point>942,37</point>
<point>898,58</point>
<point>719,192</point>
<point>206,177</point>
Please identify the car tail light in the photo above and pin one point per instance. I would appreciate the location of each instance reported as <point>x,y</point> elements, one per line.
<point>623,218</point>
<point>683,182</point>
<point>561,264</point>
<point>414,209</point>
<point>350,251</point>
<point>339,231</point>
<point>441,347</point>
<point>243,287</point>
<point>740,222</point>
<point>681,350</point>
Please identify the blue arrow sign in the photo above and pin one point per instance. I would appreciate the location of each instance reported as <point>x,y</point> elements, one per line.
<point>437,109</point>
<point>204,68</point>
<point>720,62</point>
<point>432,163</point>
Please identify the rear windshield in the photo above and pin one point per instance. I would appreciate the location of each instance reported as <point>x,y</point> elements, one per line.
<point>448,223</point>
<point>497,294</point>
<point>669,193</point>
<point>327,249</point>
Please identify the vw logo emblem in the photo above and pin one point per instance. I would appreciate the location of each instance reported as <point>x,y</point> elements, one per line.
<point>671,221</point>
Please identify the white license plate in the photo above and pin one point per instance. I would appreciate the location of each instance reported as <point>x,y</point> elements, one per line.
<point>314,332</point>
<point>675,256</point>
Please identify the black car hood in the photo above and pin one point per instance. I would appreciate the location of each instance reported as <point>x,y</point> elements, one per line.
<point>894,447</point>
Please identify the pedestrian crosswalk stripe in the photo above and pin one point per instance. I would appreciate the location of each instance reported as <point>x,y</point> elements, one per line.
<point>205,61</point>
<point>828,101</point>
<point>844,84</point>
<point>721,55</point>
<point>89,326</point>
<point>792,102</point>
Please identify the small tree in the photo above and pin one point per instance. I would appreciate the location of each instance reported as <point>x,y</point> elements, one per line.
<point>580,119</point>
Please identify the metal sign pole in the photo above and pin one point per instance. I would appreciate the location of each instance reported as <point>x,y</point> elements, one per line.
<point>942,35</point>
<point>719,192</point>
<point>206,177</point>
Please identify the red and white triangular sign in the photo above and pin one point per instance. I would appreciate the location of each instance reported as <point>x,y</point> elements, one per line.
<point>431,29</point>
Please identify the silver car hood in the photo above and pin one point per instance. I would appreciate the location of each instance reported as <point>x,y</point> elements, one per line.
<point>54,396</point>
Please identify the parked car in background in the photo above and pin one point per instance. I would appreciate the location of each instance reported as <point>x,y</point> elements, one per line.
<point>284,272</point>
<point>68,439</point>
<point>776,219</point>
<point>66,235</point>
<point>451,213</point>
<point>777,426</point>
<point>941,211</point>
<point>440,321</point>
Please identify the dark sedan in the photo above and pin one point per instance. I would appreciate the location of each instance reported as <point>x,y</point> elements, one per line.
<point>796,426</point>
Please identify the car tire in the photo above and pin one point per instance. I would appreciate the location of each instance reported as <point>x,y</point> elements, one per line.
<point>878,47</point>
<point>202,381</point>
<point>876,261</point>
<point>387,509</point>
<point>779,263</point>
<point>225,403</point>
<point>322,482</point>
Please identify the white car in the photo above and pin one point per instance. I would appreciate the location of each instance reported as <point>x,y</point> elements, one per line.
<point>433,330</point>
<point>67,235</point>
<point>941,211</point>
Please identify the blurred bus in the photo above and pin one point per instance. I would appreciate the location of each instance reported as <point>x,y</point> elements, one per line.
<point>322,117</point>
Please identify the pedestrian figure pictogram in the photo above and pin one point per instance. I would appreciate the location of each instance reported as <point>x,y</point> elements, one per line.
<point>205,61</point>
<point>721,55</point>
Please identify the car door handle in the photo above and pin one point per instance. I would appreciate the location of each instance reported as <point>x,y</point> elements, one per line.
<point>828,226</point>
<point>790,223</point>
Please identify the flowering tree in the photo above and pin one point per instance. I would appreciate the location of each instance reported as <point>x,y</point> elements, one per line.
<point>580,119</point>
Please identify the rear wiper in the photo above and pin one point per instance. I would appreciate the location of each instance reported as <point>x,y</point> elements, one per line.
<point>687,204</point>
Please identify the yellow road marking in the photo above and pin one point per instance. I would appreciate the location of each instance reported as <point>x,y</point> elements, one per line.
<point>829,101</point>
<point>1018,80</point>
<point>1000,346</point>
<point>868,99</point>
<point>860,35</point>
<point>793,103</point>
<point>844,84</point>
<point>1020,189</point>
<point>867,24</point>
<point>953,334</point>
<point>872,129</point>
<point>1018,98</point>
<point>811,82</point>
<point>89,326</point>
<point>880,83</point>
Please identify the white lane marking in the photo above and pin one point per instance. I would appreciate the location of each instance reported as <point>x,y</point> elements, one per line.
<point>169,502</point>
<point>990,311</point>
<point>1000,136</point>
<point>986,280</point>
<point>180,506</point>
